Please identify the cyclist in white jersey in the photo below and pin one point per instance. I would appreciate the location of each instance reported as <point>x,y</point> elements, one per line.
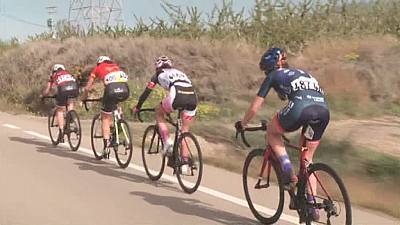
<point>181,94</point>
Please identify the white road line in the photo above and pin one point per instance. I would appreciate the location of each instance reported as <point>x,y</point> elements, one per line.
<point>11,126</point>
<point>206,190</point>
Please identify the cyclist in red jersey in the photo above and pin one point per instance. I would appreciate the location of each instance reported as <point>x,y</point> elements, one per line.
<point>66,88</point>
<point>116,90</point>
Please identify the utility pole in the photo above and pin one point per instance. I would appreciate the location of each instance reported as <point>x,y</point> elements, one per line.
<point>51,10</point>
<point>88,14</point>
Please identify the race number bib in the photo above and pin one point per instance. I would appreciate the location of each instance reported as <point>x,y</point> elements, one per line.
<point>113,77</point>
<point>64,78</point>
<point>305,83</point>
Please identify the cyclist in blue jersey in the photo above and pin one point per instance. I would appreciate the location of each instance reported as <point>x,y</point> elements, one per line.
<point>306,108</point>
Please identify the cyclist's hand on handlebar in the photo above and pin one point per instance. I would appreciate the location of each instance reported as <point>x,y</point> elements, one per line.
<point>238,125</point>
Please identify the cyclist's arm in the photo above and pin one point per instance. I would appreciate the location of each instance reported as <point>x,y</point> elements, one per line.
<point>89,85</point>
<point>258,100</point>
<point>46,91</point>
<point>150,86</point>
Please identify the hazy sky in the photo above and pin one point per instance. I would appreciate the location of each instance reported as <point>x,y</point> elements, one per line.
<point>20,18</point>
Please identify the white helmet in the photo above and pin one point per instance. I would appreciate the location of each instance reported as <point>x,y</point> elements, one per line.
<point>58,67</point>
<point>102,59</point>
<point>163,61</point>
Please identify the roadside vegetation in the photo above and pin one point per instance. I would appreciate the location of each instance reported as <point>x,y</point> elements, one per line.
<point>352,47</point>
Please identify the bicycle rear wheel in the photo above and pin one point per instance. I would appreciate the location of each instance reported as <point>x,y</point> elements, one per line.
<point>153,159</point>
<point>96,136</point>
<point>73,130</point>
<point>190,179</point>
<point>54,129</point>
<point>264,193</point>
<point>330,199</point>
<point>123,152</point>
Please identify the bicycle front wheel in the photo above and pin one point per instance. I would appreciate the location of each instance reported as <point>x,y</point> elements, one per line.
<point>123,151</point>
<point>153,159</point>
<point>189,163</point>
<point>73,130</point>
<point>327,202</point>
<point>54,129</point>
<point>263,187</point>
<point>96,137</point>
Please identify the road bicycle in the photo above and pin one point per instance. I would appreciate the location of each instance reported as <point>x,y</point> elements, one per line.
<point>72,126</point>
<point>329,203</point>
<point>188,173</point>
<point>120,137</point>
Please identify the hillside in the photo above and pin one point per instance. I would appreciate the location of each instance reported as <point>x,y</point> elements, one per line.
<point>359,75</point>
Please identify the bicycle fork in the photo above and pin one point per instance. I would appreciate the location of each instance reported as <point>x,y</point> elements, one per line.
<point>265,168</point>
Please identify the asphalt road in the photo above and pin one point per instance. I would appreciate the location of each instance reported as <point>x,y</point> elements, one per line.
<point>42,184</point>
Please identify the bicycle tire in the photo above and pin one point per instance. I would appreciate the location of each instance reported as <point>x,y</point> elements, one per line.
<point>51,123</point>
<point>93,136</point>
<point>257,210</point>
<point>123,163</point>
<point>320,169</point>
<point>72,117</point>
<point>196,164</point>
<point>153,174</point>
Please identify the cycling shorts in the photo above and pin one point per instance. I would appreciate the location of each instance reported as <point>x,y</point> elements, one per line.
<point>65,91</point>
<point>113,94</point>
<point>180,97</point>
<point>314,119</point>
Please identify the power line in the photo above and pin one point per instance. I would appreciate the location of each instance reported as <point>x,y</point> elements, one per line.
<point>22,20</point>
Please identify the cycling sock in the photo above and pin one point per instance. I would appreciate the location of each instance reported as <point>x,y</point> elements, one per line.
<point>164,135</point>
<point>310,198</point>
<point>286,164</point>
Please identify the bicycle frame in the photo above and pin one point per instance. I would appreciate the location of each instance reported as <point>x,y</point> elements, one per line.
<point>117,116</point>
<point>269,156</point>
<point>177,125</point>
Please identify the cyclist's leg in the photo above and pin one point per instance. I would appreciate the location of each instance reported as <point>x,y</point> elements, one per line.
<point>61,102</point>
<point>161,110</point>
<point>187,119</point>
<point>274,137</point>
<point>287,120</point>
<point>109,104</point>
<point>312,133</point>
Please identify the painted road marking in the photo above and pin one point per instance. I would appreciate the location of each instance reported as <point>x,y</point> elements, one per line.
<point>209,191</point>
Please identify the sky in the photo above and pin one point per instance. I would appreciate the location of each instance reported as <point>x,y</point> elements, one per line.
<point>21,18</point>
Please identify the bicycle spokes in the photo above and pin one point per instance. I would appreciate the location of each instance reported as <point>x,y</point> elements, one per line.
<point>326,199</point>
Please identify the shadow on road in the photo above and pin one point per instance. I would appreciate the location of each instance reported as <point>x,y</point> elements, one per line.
<point>186,206</point>
<point>88,163</point>
<point>194,207</point>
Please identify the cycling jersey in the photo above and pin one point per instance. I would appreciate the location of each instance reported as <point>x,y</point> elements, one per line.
<point>109,73</point>
<point>61,77</point>
<point>292,83</point>
<point>181,92</point>
<point>167,78</point>
<point>66,87</point>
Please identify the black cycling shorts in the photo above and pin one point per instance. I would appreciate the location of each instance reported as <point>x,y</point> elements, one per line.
<point>65,91</point>
<point>113,94</point>
<point>313,118</point>
<point>185,98</point>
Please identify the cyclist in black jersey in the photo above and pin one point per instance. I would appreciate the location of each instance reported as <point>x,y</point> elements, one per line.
<point>306,108</point>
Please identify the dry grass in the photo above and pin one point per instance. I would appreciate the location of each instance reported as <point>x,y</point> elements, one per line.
<point>359,75</point>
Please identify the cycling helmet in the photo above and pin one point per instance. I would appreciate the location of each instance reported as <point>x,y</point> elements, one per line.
<point>163,62</point>
<point>58,67</point>
<point>102,59</point>
<point>270,59</point>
